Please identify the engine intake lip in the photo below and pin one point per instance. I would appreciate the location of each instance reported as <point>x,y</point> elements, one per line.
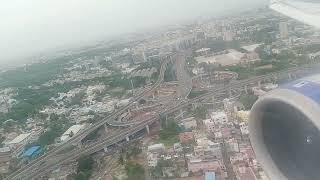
<point>287,108</point>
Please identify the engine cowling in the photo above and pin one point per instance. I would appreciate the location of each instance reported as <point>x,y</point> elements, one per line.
<point>284,130</point>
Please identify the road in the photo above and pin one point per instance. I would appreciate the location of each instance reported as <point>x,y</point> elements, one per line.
<point>184,81</point>
<point>227,163</point>
<point>46,164</point>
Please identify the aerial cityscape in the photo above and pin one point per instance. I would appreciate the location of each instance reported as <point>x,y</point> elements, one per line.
<point>172,103</point>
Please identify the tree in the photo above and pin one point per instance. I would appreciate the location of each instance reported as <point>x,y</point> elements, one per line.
<point>121,160</point>
<point>134,171</point>
<point>47,137</point>
<point>85,167</point>
<point>248,101</point>
<point>170,131</point>
<point>200,112</point>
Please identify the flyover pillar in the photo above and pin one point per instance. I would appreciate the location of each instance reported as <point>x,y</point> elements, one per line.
<point>181,112</point>
<point>148,129</point>
<point>127,138</point>
<point>79,145</point>
<point>259,84</point>
<point>105,128</point>
<point>246,89</point>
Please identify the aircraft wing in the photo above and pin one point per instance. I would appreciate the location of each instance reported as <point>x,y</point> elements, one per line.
<point>306,11</point>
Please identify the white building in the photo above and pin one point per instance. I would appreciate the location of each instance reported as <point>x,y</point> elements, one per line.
<point>152,159</point>
<point>20,140</point>
<point>156,148</point>
<point>284,33</point>
<point>244,128</point>
<point>71,131</point>
<point>209,124</point>
<point>232,145</point>
<point>219,117</point>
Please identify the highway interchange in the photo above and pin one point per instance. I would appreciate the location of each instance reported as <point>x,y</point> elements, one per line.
<point>52,159</point>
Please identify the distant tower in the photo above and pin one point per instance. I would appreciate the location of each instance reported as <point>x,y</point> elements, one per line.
<point>25,68</point>
<point>228,36</point>
<point>283,27</point>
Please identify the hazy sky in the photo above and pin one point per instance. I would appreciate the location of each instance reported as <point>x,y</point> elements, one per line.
<point>29,26</point>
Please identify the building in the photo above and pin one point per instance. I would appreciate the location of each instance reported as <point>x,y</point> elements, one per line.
<point>224,75</point>
<point>189,123</point>
<point>186,137</point>
<point>5,159</point>
<point>219,117</point>
<point>198,150</point>
<point>196,165</point>
<point>20,140</point>
<point>152,159</point>
<point>244,128</point>
<point>232,145</point>
<point>228,36</point>
<point>244,173</point>
<point>71,132</point>
<point>156,148</point>
<point>32,152</point>
<point>203,51</point>
<point>177,147</point>
<point>284,32</point>
<point>210,125</point>
<point>242,115</point>
<point>249,58</point>
<point>210,176</point>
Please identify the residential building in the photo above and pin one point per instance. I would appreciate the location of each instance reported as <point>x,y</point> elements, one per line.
<point>210,125</point>
<point>228,36</point>
<point>189,123</point>
<point>198,150</point>
<point>284,32</point>
<point>5,158</point>
<point>232,145</point>
<point>210,175</point>
<point>243,115</point>
<point>244,128</point>
<point>219,117</point>
<point>244,173</point>
<point>196,165</point>
<point>186,137</point>
<point>152,159</point>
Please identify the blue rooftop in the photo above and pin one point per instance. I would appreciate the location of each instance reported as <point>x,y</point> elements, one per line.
<point>31,151</point>
<point>210,176</point>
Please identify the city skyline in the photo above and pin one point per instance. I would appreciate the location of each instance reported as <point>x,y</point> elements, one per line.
<point>30,28</point>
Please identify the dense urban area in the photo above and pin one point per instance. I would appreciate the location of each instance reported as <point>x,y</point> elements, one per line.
<point>167,104</point>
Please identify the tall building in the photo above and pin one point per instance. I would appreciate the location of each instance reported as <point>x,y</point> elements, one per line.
<point>283,27</point>
<point>228,36</point>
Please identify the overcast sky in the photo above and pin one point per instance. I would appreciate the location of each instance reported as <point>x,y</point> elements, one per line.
<point>30,26</point>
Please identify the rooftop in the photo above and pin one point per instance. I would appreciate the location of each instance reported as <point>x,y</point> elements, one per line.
<point>74,129</point>
<point>31,151</point>
<point>20,138</point>
<point>210,176</point>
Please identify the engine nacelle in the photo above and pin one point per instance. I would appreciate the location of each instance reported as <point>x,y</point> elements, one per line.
<point>284,131</point>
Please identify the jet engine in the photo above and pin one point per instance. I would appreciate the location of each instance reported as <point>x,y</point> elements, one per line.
<point>284,130</point>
